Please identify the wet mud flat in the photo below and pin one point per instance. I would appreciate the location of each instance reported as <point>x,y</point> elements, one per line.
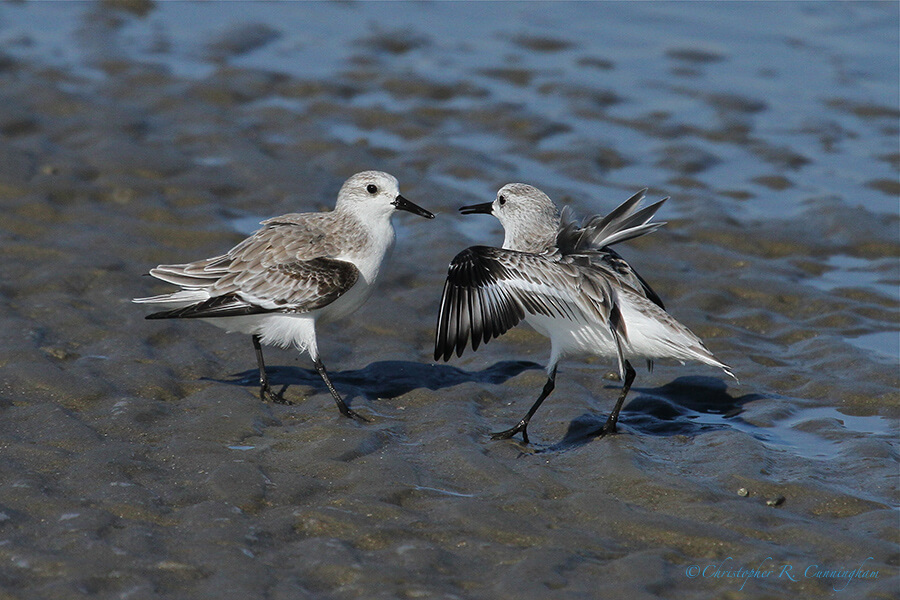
<point>137,461</point>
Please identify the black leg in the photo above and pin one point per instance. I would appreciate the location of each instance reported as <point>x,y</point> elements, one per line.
<point>342,406</point>
<point>610,426</point>
<point>522,426</point>
<point>265,392</point>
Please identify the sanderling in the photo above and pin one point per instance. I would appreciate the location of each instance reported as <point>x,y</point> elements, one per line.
<point>296,270</point>
<point>568,284</point>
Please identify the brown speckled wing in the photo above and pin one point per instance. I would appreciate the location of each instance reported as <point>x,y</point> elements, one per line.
<point>296,287</point>
<point>286,266</point>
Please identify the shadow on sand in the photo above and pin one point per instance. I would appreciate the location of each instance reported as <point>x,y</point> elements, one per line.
<point>686,406</point>
<point>384,379</point>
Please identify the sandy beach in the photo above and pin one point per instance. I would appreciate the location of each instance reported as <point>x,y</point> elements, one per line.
<point>137,460</point>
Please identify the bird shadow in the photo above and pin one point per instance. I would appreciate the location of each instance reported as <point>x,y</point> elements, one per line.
<point>687,406</point>
<point>384,379</point>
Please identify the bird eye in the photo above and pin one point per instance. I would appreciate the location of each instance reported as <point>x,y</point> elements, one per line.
<point>372,188</point>
<point>502,200</point>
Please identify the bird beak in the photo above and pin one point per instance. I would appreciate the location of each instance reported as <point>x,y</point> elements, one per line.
<point>403,204</point>
<point>486,208</point>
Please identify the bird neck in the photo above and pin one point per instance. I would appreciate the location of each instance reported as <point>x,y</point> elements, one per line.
<point>369,250</point>
<point>531,239</point>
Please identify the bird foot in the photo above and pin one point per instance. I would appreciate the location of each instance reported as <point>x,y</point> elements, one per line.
<point>521,427</point>
<point>608,428</point>
<point>267,395</point>
<point>350,414</point>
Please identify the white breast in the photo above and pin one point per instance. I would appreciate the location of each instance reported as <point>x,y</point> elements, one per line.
<point>368,260</point>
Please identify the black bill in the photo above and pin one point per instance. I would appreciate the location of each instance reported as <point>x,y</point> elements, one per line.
<point>403,204</point>
<point>486,208</point>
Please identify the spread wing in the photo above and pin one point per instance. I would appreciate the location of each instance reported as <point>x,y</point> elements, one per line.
<point>489,290</point>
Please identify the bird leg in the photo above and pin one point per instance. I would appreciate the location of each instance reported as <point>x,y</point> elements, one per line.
<point>265,392</point>
<point>522,426</point>
<point>342,406</point>
<point>610,425</point>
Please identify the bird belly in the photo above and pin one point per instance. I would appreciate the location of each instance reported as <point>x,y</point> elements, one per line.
<point>276,329</point>
<point>643,337</point>
<point>574,337</point>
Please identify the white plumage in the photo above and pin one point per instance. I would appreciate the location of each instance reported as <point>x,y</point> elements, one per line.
<point>567,283</point>
<point>295,271</point>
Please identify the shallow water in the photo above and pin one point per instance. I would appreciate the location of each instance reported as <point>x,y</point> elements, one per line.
<point>137,459</point>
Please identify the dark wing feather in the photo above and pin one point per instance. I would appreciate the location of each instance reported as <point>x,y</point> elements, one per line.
<point>469,274</point>
<point>229,305</point>
<point>626,274</point>
<point>294,287</point>
<point>592,240</point>
<point>625,222</point>
<point>490,290</point>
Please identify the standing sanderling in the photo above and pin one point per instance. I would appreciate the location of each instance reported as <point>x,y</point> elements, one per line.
<point>568,284</point>
<point>295,271</point>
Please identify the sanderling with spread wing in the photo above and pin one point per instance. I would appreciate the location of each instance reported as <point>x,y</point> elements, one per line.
<point>295,271</point>
<point>566,282</point>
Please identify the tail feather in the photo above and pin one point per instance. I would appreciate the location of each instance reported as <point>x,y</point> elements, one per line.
<point>656,333</point>
<point>229,305</point>
<point>181,298</point>
<point>702,354</point>
<point>193,275</point>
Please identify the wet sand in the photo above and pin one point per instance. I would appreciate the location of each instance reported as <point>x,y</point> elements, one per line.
<point>137,460</point>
